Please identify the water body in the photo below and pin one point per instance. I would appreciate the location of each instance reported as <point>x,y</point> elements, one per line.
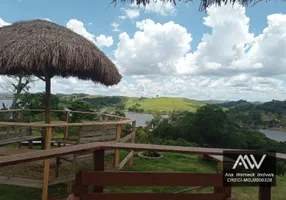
<point>141,118</point>
<point>279,136</point>
<point>6,102</point>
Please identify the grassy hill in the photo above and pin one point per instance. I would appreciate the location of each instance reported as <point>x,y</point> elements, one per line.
<point>167,104</point>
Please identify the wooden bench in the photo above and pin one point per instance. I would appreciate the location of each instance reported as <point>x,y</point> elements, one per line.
<point>17,134</point>
<point>98,180</point>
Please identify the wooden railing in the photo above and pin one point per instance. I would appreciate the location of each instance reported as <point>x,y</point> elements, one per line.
<point>47,132</point>
<point>98,149</point>
<point>101,179</point>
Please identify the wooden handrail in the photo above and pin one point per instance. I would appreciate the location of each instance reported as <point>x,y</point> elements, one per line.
<point>51,153</point>
<point>35,124</point>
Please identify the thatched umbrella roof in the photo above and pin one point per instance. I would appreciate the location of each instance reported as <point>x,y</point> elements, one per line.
<point>45,49</point>
<point>203,5</point>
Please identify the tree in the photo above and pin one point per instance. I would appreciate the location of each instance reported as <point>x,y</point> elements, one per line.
<point>17,85</point>
<point>36,101</point>
<point>79,105</point>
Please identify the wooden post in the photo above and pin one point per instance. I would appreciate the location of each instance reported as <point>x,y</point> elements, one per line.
<point>20,115</point>
<point>79,189</point>
<point>264,193</point>
<point>132,141</point>
<point>98,165</point>
<point>66,128</point>
<point>48,137</point>
<point>104,118</point>
<point>117,153</point>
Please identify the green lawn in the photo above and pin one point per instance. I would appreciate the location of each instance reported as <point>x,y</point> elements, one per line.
<point>167,104</point>
<point>170,162</point>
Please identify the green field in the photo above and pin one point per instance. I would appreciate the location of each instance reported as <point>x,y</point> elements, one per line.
<point>167,104</point>
<point>170,162</point>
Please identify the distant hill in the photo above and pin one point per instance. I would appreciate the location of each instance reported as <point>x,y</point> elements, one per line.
<point>166,104</point>
<point>139,104</point>
<point>212,101</point>
<point>234,103</point>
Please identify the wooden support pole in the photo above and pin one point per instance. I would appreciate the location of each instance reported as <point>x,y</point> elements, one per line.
<point>66,128</point>
<point>264,193</point>
<point>98,165</point>
<point>20,115</point>
<point>45,185</point>
<point>30,144</point>
<point>132,141</point>
<point>104,117</point>
<point>117,153</point>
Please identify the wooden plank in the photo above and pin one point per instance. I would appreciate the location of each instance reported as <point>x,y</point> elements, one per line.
<point>63,124</point>
<point>151,179</point>
<point>97,139</point>
<point>264,193</point>
<point>98,128</point>
<point>19,139</point>
<point>117,153</point>
<point>166,148</point>
<point>20,182</point>
<point>43,154</point>
<point>125,160</point>
<point>127,138</point>
<point>97,133</point>
<point>151,196</point>
<point>98,165</point>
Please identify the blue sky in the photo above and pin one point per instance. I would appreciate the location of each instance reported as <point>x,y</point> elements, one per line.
<point>179,68</point>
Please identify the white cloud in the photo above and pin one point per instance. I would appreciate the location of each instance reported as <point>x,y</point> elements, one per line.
<point>3,23</point>
<point>199,87</point>
<point>159,7</point>
<point>129,13</point>
<point>231,49</point>
<point>154,49</point>
<point>78,27</point>
<point>115,27</point>
<point>103,40</point>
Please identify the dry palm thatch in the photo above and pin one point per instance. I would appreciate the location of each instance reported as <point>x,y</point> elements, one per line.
<point>203,5</point>
<point>45,49</point>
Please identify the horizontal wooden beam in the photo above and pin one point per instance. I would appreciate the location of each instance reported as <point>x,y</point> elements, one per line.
<point>150,179</point>
<point>35,124</point>
<point>44,154</point>
<point>150,196</point>
<point>48,153</point>
<point>20,182</point>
